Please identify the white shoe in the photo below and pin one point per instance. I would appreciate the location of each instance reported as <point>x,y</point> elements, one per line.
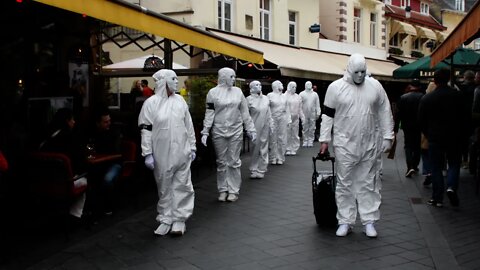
<point>304,145</point>
<point>260,175</point>
<point>273,162</point>
<point>253,175</point>
<point>343,230</point>
<point>287,153</point>
<point>222,197</point>
<point>178,228</point>
<point>279,162</point>
<point>293,153</point>
<point>162,229</point>
<point>232,197</point>
<point>370,230</point>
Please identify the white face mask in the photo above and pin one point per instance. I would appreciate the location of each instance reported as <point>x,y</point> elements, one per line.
<point>172,83</point>
<point>359,76</point>
<point>292,88</point>
<point>231,80</point>
<point>256,88</point>
<point>308,86</point>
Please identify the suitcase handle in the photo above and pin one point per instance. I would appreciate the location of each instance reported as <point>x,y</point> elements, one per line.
<point>323,157</point>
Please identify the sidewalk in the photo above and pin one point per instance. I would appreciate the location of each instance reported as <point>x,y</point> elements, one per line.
<point>272,226</point>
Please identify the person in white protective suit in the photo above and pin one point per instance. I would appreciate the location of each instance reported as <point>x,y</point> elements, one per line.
<point>296,113</point>
<point>259,108</point>
<point>225,115</point>
<point>168,145</point>
<point>353,106</point>
<point>278,130</point>
<point>311,111</point>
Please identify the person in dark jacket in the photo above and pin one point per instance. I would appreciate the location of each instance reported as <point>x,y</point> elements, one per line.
<point>407,115</point>
<point>61,138</point>
<point>442,119</point>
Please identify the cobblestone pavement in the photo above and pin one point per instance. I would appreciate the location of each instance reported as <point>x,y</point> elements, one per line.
<point>272,226</point>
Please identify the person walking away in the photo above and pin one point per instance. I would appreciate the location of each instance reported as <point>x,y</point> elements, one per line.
<point>168,145</point>
<point>407,117</point>
<point>296,112</point>
<point>259,108</point>
<point>467,88</point>
<point>311,111</point>
<point>281,119</point>
<point>225,115</point>
<point>353,106</point>
<point>442,119</point>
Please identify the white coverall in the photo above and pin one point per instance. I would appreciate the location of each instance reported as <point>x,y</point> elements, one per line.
<point>167,133</point>
<point>259,108</point>
<point>311,110</point>
<point>225,115</point>
<point>354,109</point>
<point>281,118</point>
<point>295,105</point>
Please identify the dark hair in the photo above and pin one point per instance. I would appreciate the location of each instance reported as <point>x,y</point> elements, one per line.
<point>441,76</point>
<point>60,119</point>
<point>99,113</point>
<point>145,82</point>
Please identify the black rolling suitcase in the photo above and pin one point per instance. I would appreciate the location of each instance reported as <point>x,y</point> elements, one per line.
<point>323,188</point>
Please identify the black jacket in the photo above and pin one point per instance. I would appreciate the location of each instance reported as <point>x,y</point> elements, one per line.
<point>443,116</point>
<point>408,111</point>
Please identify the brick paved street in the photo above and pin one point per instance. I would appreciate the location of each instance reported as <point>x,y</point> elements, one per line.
<point>272,226</point>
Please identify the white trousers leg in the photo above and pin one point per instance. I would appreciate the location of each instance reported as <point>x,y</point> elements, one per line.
<point>229,178</point>
<point>357,183</point>
<point>175,194</point>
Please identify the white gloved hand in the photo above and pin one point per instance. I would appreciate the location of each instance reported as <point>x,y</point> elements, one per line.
<point>204,140</point>
<point>193,155</point>
<point>149,161</point>
<point>386,145</point>
<point>252,136</point>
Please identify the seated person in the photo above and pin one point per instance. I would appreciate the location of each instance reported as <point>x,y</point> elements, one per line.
<point>62,139</point>
<point>106,141</point>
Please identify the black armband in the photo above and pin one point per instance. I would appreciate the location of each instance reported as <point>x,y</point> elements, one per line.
<point>328,111</point>
<point>210,106</point>
<point>147,127</point>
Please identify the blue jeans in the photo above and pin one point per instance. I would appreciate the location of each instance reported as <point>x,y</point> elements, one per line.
<point>453,156</point>
<point>112,174</point>
<point>426,163</point>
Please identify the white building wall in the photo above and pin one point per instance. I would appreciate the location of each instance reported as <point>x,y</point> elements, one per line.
<point>308,14</point>
<point>329,19</point>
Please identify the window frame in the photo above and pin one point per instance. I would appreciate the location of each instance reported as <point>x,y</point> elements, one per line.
<point>292,25</point>
<point>357,25</point>
<point>404,3</point>
<point>221,18</point>
<point>424,8</point>
<point>373,29</point>
<point>265,31</point>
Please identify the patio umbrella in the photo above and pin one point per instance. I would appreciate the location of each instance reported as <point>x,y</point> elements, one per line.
<point>463,58</point>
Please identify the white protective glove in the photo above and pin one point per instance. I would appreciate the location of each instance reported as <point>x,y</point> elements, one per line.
<point>149,161</point>
<point>204,140</point>
<point>386,145</point>
<point>252,136</point>
<point>193,155</point>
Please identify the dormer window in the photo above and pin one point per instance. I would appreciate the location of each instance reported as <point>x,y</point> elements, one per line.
<point>404,3</point>
<point>424,8</point>
<point>460,5</point>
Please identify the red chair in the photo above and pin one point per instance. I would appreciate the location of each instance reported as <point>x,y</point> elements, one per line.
<point>129,156</point>
<point>51,185</point>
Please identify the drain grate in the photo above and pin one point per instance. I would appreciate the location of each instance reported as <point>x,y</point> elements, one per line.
<point>416,200</point>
